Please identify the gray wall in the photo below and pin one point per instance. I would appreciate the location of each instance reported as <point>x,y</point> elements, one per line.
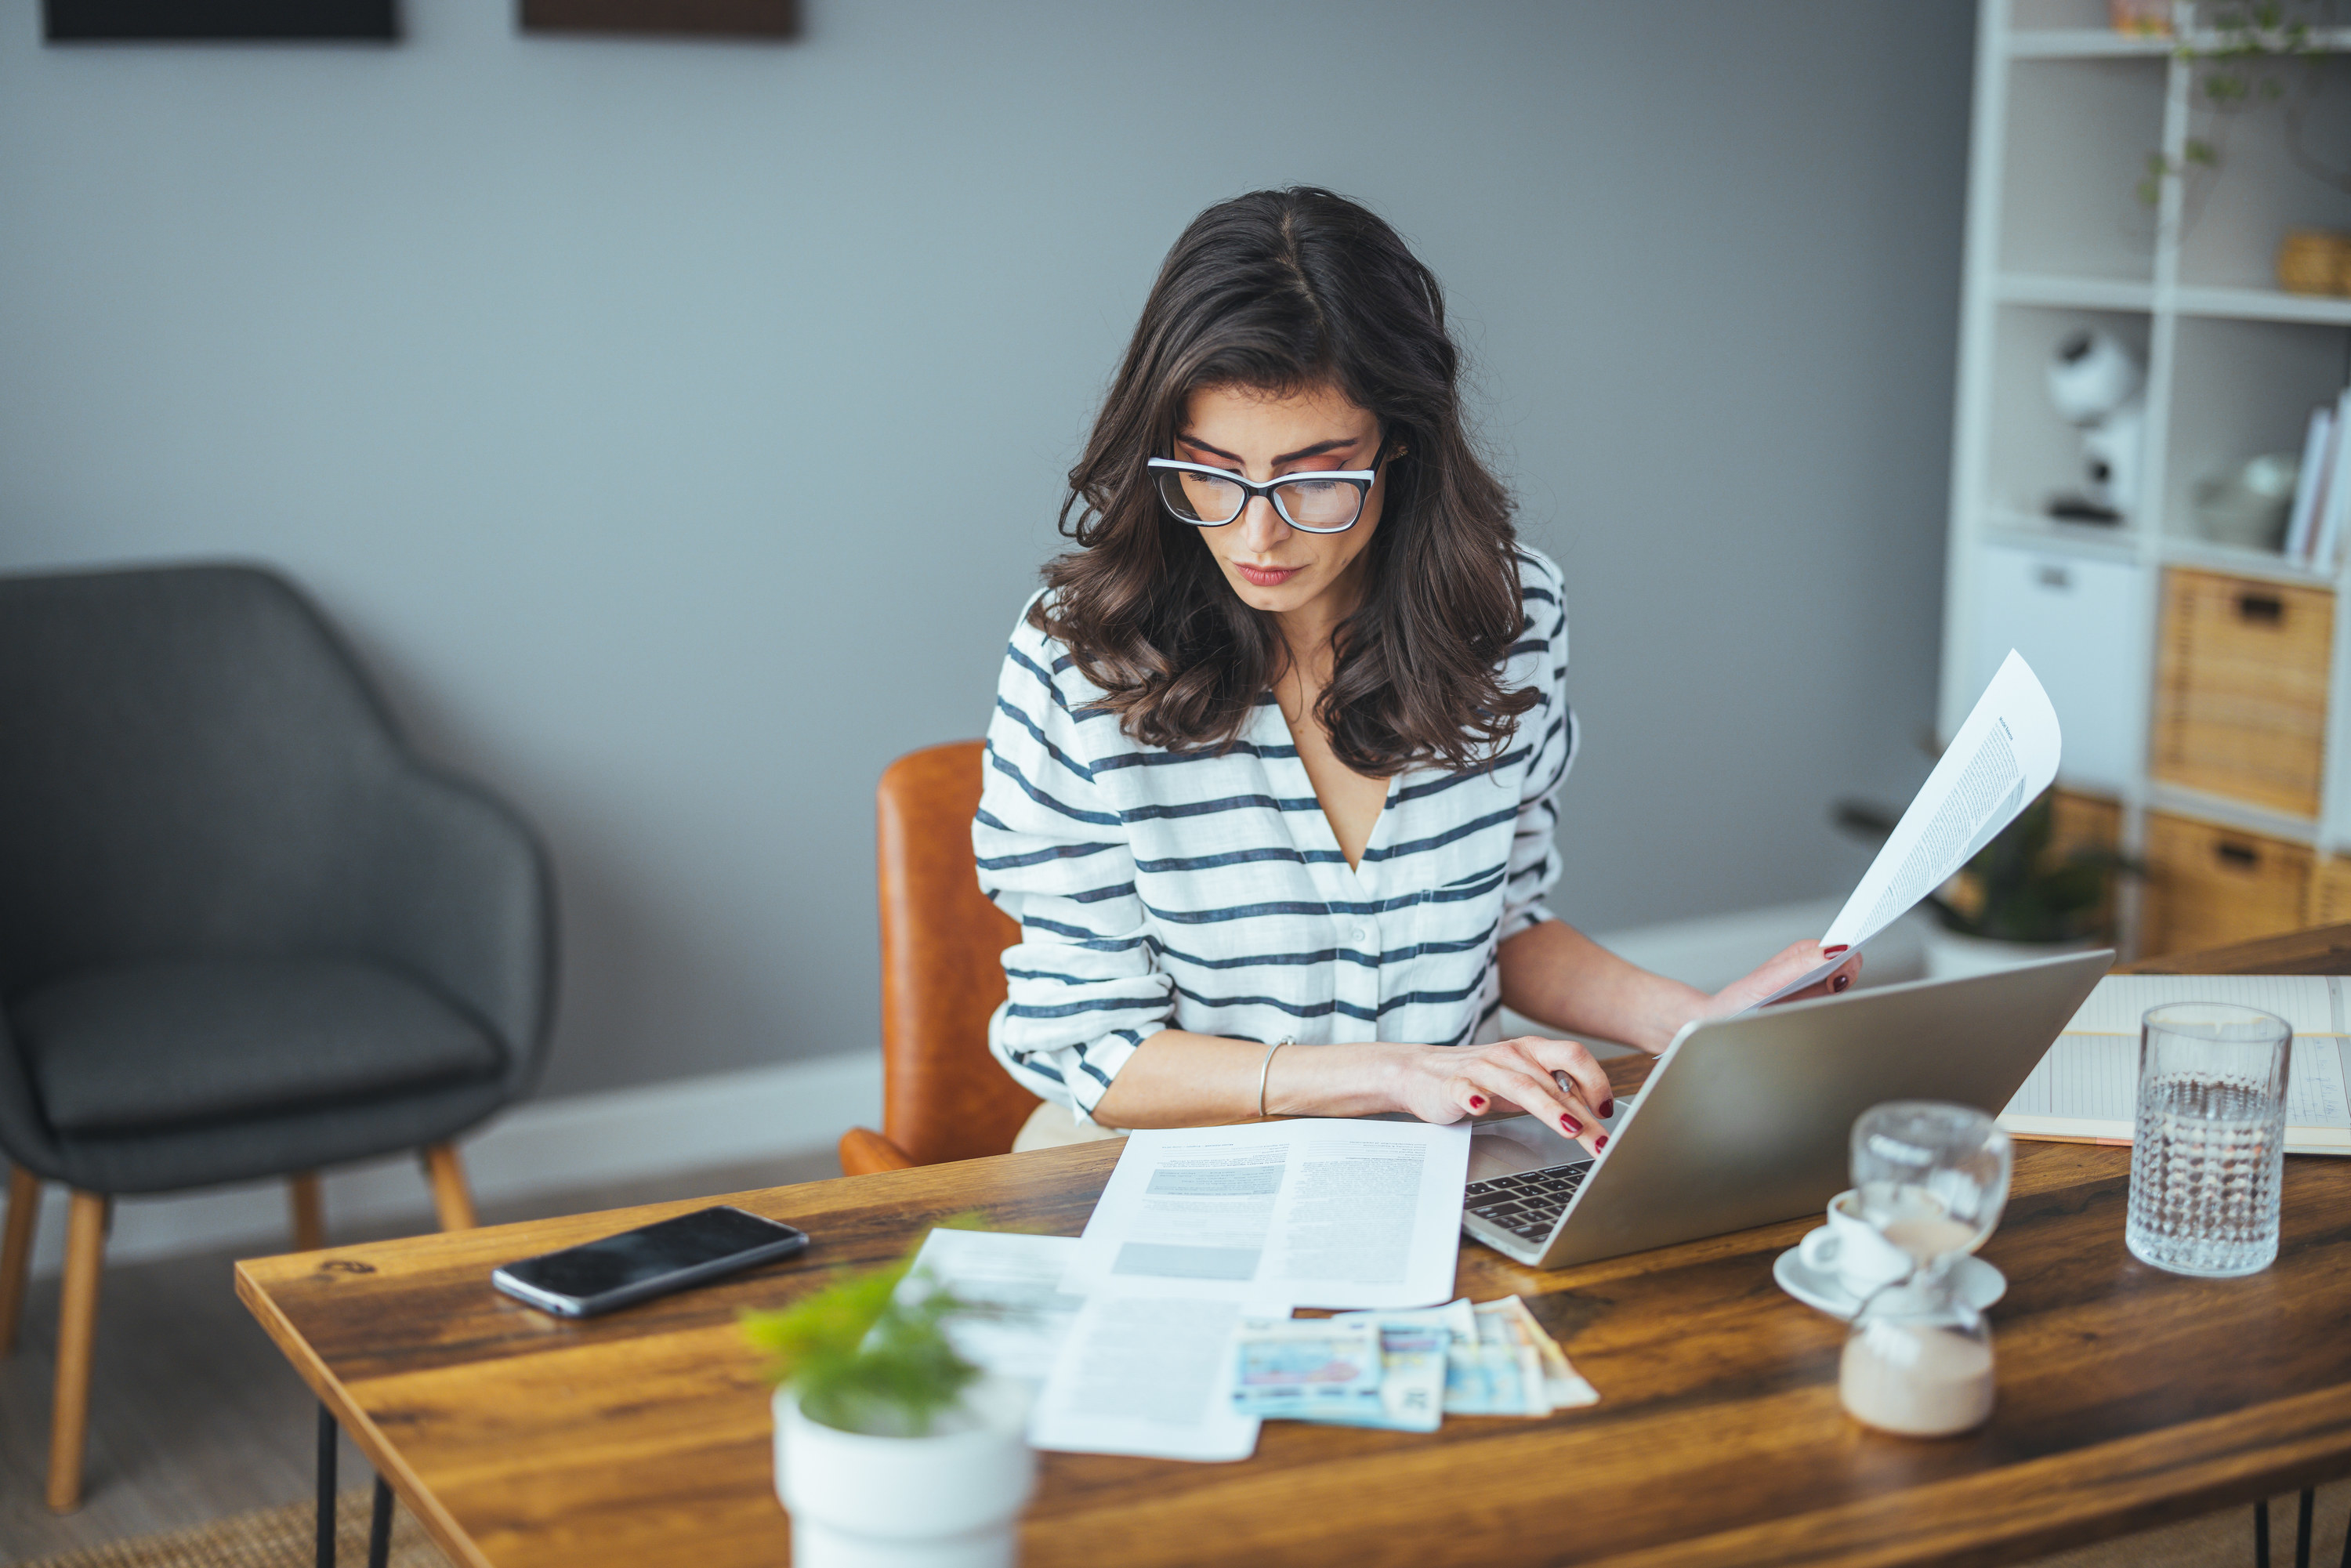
<point>677,427</point>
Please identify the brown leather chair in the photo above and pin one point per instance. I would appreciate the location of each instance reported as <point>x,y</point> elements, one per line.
<point>943,1097</point>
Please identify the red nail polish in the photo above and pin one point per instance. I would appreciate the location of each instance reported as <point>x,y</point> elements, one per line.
<point>1608,1107</point>
<point>1841,982</point>
<point>1833,952</point>
<point>1600,1143</point>
<point>1476,1102</point>
<point>1572,1124</point>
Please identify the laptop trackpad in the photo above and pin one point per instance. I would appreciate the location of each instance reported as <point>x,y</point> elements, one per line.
<point>1519,1143</point>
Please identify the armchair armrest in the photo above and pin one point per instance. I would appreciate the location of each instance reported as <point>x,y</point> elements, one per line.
<point>460,891</point>
<point>865,1152</point>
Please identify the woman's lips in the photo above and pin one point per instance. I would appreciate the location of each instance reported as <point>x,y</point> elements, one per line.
<point>1267,576</point>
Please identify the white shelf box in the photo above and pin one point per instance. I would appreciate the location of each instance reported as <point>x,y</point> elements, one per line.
<point>2239,389</point>
<point>2033,453</point>
<point>2079,133</point>
<point>2081,623</point>
<point>2234,215</point>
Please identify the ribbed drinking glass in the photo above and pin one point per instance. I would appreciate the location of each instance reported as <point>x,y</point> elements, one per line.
<point>2208,1155</point>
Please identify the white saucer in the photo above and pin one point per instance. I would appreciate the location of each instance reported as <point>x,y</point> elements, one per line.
<point>1980,1283</point>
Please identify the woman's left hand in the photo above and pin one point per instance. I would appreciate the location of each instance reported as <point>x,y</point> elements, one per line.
<point>1790,963</point>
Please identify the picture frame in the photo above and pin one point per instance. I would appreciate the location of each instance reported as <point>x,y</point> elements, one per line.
<point>180,21</point>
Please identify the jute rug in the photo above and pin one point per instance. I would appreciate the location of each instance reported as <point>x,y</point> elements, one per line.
<point>285,1538</point>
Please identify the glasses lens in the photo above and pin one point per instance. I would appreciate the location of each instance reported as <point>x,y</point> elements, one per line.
<point>1320,503</point>
<point>1200,498</point>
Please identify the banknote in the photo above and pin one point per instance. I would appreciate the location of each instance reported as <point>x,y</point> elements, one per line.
<point>1497,1371</point>
<point>1412,1346</point>
<point>1563,1387</point>
<point>1285,1367</point>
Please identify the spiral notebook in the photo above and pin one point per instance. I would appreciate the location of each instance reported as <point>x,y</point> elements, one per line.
<point>2086,1088</point>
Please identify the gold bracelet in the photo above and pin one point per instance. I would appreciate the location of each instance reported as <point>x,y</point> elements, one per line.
<point>1266,1072</point>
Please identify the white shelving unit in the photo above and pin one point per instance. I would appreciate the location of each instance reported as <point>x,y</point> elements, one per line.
<point>2068,113</point>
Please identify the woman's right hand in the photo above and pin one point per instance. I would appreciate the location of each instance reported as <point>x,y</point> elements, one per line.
<point>1444,1083</point>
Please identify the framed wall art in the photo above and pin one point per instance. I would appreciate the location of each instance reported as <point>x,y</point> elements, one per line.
<point>156,21</point>
<point>737,18</point>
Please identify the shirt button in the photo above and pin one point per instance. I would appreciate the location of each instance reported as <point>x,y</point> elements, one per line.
<point>1362,935</point>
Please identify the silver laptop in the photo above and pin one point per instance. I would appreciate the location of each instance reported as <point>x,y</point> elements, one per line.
<point>1745,1120</point>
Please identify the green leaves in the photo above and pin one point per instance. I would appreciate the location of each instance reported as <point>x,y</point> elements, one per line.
<point>2247,50</point>
<point>2018,889</point>
<point>863,1360</point>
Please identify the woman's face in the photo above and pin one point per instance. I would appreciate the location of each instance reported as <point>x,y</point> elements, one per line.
<point>1262,436</point>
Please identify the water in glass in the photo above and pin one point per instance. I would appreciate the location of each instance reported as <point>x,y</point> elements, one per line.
<point>2209,1151</point>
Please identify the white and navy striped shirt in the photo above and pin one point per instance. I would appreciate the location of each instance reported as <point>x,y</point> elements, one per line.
<point>1204,891</point>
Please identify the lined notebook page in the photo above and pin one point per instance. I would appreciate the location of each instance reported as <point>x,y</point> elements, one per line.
<point>2094,1078</point>
<point>2307,1002</point>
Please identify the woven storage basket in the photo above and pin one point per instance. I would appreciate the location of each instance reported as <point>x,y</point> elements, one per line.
<point>2240,689</point>
<point>2207,886</point>
<point>2313,261</point>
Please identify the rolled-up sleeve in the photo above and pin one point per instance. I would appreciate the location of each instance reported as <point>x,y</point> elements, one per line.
<point>1550,729</point>
<point>1083,988</point>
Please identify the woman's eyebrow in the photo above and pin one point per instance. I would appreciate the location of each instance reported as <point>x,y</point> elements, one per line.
<point>1314,451</point>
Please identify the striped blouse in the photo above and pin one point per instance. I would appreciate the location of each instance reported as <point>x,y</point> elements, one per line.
<point>1204,891</point>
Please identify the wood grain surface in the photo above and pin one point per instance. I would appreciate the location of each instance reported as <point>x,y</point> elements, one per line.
<point>2127,1397</point>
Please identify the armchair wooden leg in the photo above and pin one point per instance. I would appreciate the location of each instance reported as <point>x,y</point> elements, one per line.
<point>307,1206</point>
<point>17,1250</point>
<point>77,1329</point>
<point>452,1198</point>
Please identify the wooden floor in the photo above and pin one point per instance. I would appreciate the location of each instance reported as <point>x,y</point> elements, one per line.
<point>193,1414</point>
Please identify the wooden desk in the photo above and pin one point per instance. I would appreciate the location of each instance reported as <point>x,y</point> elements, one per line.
<point>2127,1397</point>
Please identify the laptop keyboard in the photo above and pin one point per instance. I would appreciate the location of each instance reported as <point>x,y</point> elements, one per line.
<point>1527,1204</point>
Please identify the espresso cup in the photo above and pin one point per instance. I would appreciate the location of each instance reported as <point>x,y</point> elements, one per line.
<point>1850,1251</point>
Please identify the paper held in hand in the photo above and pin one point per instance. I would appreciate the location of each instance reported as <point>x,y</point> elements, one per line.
<point>1997,764</point>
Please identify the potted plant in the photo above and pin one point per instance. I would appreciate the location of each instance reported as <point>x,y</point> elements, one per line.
<point>891,1448</point>
<point>2023,897</point>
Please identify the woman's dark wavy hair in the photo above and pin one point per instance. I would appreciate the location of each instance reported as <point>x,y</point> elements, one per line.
<point>1280,290</point>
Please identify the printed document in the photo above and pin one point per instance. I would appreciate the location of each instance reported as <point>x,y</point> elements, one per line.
<point>1148,1374</point>
<point>2086,1087</point>
<point>2001,761</point>
<point>1017,1280</point>
<point>1316,1212</point>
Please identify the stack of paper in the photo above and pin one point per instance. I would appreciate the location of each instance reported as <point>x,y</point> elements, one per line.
<point>2086,1087</point>
<point>1205,1239</point>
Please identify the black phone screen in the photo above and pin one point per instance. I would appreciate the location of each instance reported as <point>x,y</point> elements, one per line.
<point>665,1247</point>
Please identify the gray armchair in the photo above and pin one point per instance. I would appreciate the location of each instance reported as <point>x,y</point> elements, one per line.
<point>243,930</point>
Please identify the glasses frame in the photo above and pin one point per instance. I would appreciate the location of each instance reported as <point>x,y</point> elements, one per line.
<point>1360,478</point>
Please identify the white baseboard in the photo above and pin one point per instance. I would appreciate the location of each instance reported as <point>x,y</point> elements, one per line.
<point>544,1146</point>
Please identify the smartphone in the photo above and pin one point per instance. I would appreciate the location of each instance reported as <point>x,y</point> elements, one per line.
<point>651,1261</point>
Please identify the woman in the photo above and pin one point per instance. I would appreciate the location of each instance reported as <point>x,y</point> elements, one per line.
<point>1277,751</point>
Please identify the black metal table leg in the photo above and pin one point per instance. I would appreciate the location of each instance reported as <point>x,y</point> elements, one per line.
<point>2302,1528</point>
<point>2261,1533</point>
<point>380,1527</point>
<point>328,1436</point>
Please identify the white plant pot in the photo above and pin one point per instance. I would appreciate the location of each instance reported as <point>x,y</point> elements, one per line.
<point>949,1500</point>
<point>1950,956</point>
